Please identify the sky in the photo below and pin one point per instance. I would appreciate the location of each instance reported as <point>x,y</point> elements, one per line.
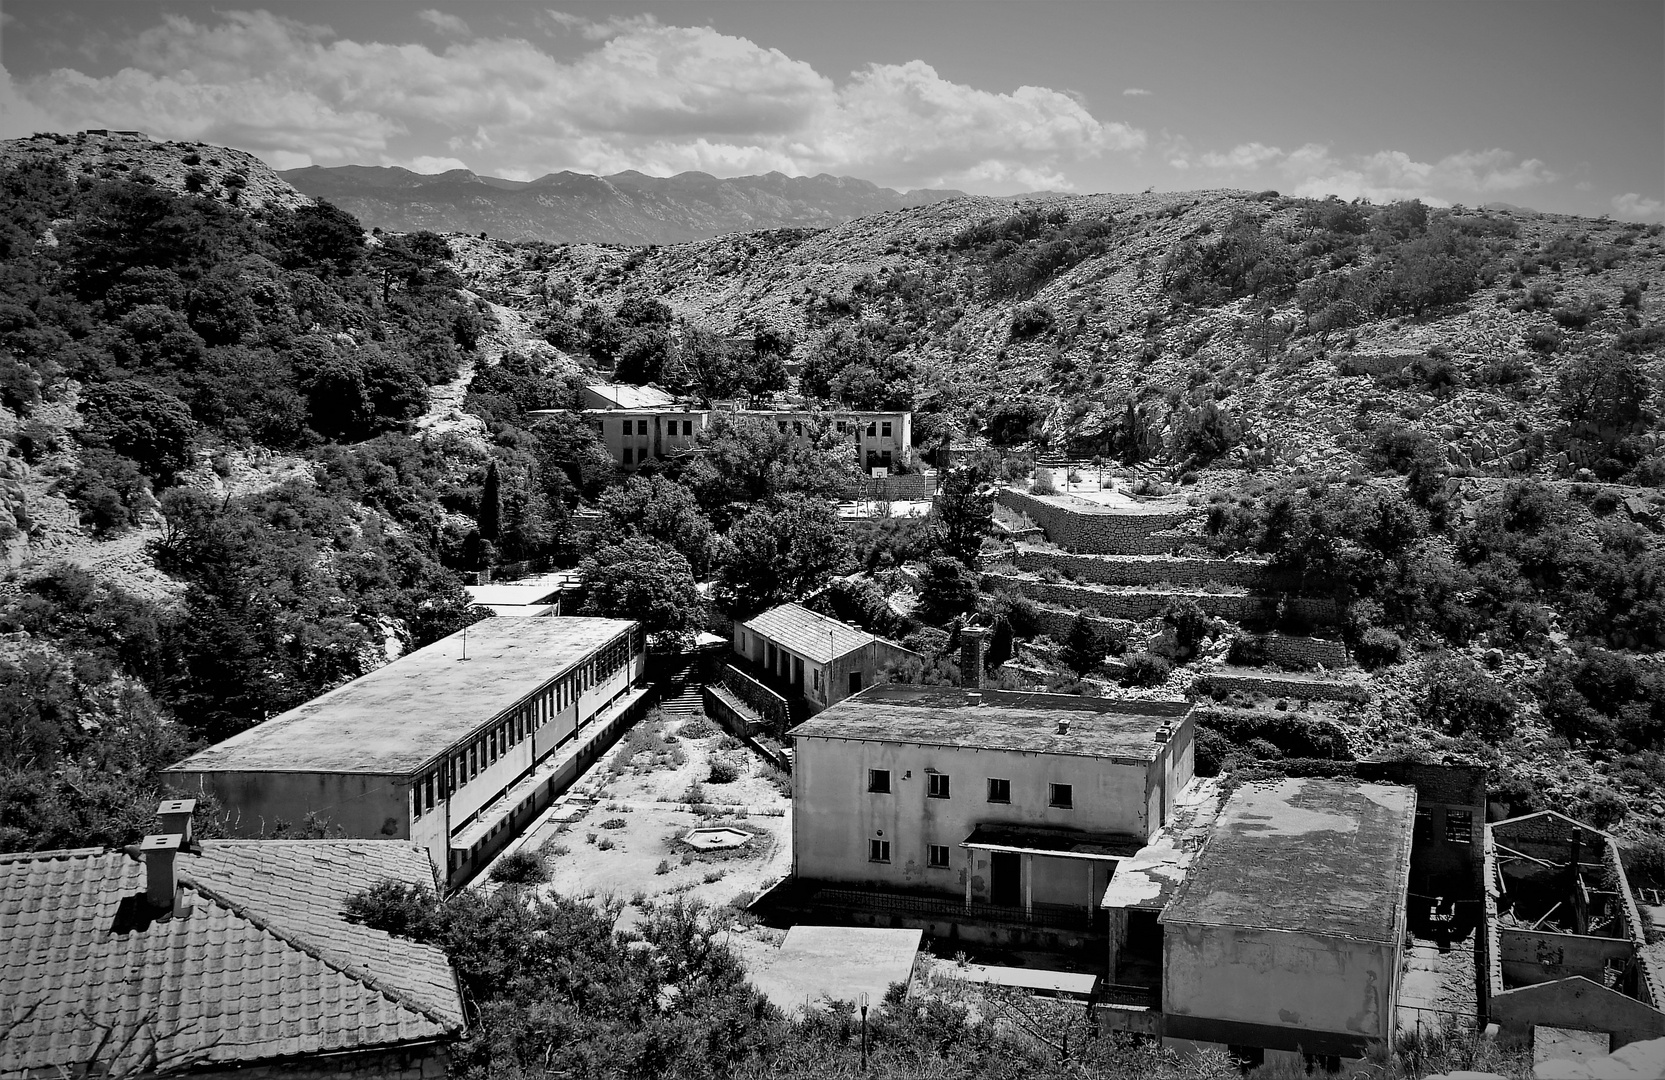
<point>1558,105</point>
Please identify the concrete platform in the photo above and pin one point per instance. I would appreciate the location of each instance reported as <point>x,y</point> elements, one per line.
<point>1069,984</point>
<point>816,963</point>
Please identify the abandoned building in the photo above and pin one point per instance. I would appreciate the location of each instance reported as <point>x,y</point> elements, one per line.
<point>813,659</point>
<point>457,746</point>
<point>218,958</point>
<point>1566,937</point>
<point>981,814</point>
<point>1287,932</point>
<point>638,424</point>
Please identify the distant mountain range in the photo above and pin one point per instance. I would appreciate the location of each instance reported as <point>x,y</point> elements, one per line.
<point>625,208</point>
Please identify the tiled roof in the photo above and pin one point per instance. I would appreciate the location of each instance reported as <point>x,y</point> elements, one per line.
<point>399,717</point>
<point>1326,857</point>
<point>816,638</point>
<point>262,965</point>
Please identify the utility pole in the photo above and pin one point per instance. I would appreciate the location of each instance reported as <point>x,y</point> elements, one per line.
<point>864,1031</point>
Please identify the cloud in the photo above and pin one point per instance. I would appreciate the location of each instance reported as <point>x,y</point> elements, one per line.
<point>1630,204</point>
<point>1134,91</point>
<point>1383,176</point>
<point>450,25</point>
<point>423,163</point>
<point>638,95</point>
<point>1247,156</point>
<point>600,31</point>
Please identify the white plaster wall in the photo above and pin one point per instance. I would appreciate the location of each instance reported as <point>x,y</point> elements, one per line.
<point>1280,979</point>
<point>835,815</point>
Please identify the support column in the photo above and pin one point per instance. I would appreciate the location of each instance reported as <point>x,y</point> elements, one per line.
<point>1028,885</point>
<point>970,864</point>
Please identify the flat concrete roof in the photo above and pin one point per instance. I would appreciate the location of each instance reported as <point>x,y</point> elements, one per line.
<point>398,718</point>
<point>1004,720</point>
<point>1325,857</point>
<point>839,962</point>
<point>514,594</point>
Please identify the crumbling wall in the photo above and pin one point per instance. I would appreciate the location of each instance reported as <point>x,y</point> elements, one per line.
<point>1299,653</point>
<point>1314,689</point>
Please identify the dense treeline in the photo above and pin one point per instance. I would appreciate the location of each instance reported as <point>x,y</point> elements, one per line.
<point>187,329</point>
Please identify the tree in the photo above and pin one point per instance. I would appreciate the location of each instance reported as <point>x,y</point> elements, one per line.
<point>645,355</point>
<point>1082,652</point>
<point>746,460</point>
<point>713,370</point>
<point>322,238</point>
<point>489,518</point>
<point>137,420</point>
<point>780,551</point>
<point>1188,623</point>
<point>660,510</point>
<point>1458,695</point>
<point>641,579</point>
<point>1605,398</point>
<point>964,511</point>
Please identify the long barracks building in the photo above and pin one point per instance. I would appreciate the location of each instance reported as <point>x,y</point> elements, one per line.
<point>456,746</point>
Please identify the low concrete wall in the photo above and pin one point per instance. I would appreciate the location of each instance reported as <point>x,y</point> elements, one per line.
<point>1143,569</point>
<point>1145,604</point>
<point>914,487</point>
<point>1537,956</point>
<point>1101,534</point>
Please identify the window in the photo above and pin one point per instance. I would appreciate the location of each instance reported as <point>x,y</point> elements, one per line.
<point>937,857</point>
<point>629,455</point>
<point>878,781</point>
<point>878,851</point>
<point>1459,826</point>
<point>782,425</point>
<point>885,429</point>
<point>687,427</point>
<point>1000,790</point>
<point>843,427</point>
<point>797,427</point>
<point>938,785</point>
<point>1061,795</point>
<point>1423,829</point>
<point>641,427</point>
<point>872,429</point>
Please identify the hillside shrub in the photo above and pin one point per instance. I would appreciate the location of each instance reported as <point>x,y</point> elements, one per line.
<point>1457,695</point>
<point>520,868</point>
<point>1146,669</point>
<point>1377,648</point>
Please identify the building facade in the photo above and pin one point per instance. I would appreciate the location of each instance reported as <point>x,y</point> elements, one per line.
<point>456,746</point>
<point>1007,801</point>
<point>641,424</point>
<point>818,660</point>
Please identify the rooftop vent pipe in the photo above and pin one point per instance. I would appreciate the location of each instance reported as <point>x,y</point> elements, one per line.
<point>176,815</point>
<point>972,641</point>
<point>161,876</point>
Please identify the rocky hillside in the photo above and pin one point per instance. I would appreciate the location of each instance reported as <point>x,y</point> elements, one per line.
<point>1074,345</point>
<point>625,208</point>
<point>198,168</point>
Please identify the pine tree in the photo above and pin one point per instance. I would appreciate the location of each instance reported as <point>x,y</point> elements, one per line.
<point>1082,650</point>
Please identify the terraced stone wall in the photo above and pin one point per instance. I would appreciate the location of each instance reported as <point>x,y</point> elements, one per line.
<point>1144,569</point>
<point>1101,534</point>
<point>1302,689</point>
<point>1145,604</point>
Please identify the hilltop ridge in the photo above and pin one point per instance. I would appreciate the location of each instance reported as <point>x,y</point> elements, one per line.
<point>624,208</point>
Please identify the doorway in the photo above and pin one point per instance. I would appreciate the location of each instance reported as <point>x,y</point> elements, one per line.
<point>1005,878</point>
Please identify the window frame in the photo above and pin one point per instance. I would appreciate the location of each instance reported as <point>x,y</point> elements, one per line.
<point>931,861</point>
<point>1067,799</point>
<point>873,781</point>
<point>938,785</point>
<point>1005,786</point>
<point>878,851</point>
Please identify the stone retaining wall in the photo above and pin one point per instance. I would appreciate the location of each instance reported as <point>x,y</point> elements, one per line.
<point>1056,624</point>
<point>1100,534</point>
<point>1298,653</point>
<point>1302,689</point>
<point>914,487</point>
<point>1145,604</point>
<point>1143,569</point>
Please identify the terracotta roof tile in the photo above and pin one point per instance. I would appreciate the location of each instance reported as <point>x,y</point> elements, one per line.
<point>263,964</point>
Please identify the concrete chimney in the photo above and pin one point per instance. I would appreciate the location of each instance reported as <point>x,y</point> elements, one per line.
<point>159,851</point>
<point>1064,726</point>
<point>176,815</point>
<point>1164,732</point>
<point>972,642</point>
